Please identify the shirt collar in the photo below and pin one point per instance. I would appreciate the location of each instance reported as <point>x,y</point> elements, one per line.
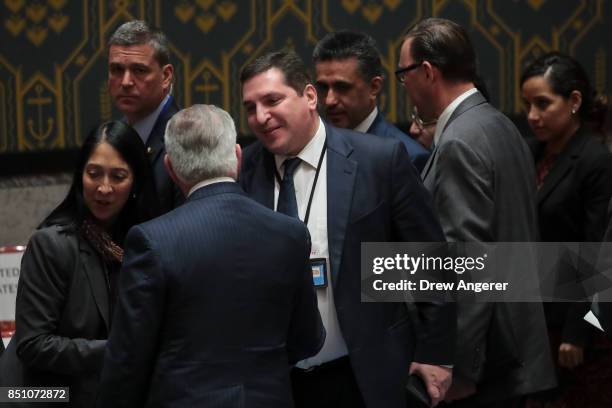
<point>310,153</point>
<point>364,126</point>
<point>446,114</point>
<point>210,181</point>
<point>145,126</point>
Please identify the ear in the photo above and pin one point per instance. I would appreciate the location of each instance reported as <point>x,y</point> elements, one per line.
<point>238,160</point>
<point>167,75</point>
<point>376,86</point>
<point>431,72</point>
<point>575,100</point>
<point>181,185</point>
<point>310,92</point>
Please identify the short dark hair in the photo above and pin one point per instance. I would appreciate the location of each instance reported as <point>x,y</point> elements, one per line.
<point>142,204</point>
<point>446,45</point>
<point>287,61</point>
<point>138,32</point>
<point>346,44</point>
<point>565,75</point>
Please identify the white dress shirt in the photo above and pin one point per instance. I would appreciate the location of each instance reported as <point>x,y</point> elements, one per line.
<point>303,178</point>
<point>208,182</point>
<point>448,111</point>
<point>145,125</point>
<point>367,122</point>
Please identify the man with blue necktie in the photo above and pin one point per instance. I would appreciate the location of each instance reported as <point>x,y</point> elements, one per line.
<point>347,189</point>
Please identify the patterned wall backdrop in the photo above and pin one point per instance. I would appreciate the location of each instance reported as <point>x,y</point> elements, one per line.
<point>53,57</point>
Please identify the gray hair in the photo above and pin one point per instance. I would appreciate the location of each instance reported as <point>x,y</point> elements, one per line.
<point>138,32</point>
<point>200,142</point>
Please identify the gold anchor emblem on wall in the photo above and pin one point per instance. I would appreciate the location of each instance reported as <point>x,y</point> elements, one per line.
<point>208,12</point>
<point>41,133</point>
<point>207,87</point>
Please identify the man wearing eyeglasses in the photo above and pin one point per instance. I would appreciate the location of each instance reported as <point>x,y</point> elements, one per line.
<point>422,131</point>
<point>482,181</point>
<point>349,78</point>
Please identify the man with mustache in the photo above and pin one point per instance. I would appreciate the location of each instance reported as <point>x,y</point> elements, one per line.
<point>349,78</point>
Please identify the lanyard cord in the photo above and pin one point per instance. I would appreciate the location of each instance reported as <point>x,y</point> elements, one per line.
<point>314,183</point>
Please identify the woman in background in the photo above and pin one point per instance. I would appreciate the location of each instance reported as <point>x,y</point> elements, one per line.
<point>68,281</point>
<point>574,180</point>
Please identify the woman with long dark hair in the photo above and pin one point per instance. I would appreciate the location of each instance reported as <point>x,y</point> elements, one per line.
<point>69,271</point>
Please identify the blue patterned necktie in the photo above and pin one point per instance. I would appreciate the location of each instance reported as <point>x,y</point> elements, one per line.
<point>287,204</point>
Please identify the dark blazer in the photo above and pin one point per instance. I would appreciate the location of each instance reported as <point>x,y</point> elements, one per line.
<point>418,154</point>
<point>62,317</point>
<point>572,205</point>
<point>482,179</point>
<point>170,196</point>
<point>373,195</point>
<point>603,306</point>
<point>215,302</point>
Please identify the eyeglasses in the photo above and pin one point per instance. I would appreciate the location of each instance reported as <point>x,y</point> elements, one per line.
<point>414,117</point>
<point>400,74</point>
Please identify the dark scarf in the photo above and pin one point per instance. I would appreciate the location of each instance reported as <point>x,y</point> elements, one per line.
<point>102,242</point>
<point>109,251</point>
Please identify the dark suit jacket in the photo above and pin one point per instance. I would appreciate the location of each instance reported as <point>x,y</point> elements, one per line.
<point>215,301</point>
<point>170,196</point>
<point>572,205</point>
<point>418,154</point>
<point>603,307</point>
<point>373,195</point>
<point>62,317</point>
<point>482,179</point>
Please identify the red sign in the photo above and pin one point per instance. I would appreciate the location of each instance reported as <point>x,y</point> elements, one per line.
<point>10,265</point>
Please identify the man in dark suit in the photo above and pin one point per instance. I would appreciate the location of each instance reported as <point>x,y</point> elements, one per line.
<point>216,296</point>
<point>140,78</point>
<point>349,78</point>
<point>347,189</point>
<point>482,180</point>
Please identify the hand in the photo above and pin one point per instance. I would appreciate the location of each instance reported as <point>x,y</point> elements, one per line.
<point>460,389</point>
<point>437,379</point>
<point>570,355</point>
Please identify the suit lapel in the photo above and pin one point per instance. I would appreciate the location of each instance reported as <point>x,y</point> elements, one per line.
<point>429,163</point>
<point>341,173</point>
<point>155,142</point>
<point>375,127</point>
<point>471,101</point>
<point>562,165</point>
<point>94,269</point>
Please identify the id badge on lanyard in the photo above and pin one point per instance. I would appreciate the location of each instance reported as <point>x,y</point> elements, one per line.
<point>319,272</point>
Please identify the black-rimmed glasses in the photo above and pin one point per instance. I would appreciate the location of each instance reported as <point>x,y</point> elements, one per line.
<point>400,74</point>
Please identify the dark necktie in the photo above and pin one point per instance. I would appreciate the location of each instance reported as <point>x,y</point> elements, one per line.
<point>287,204</point>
